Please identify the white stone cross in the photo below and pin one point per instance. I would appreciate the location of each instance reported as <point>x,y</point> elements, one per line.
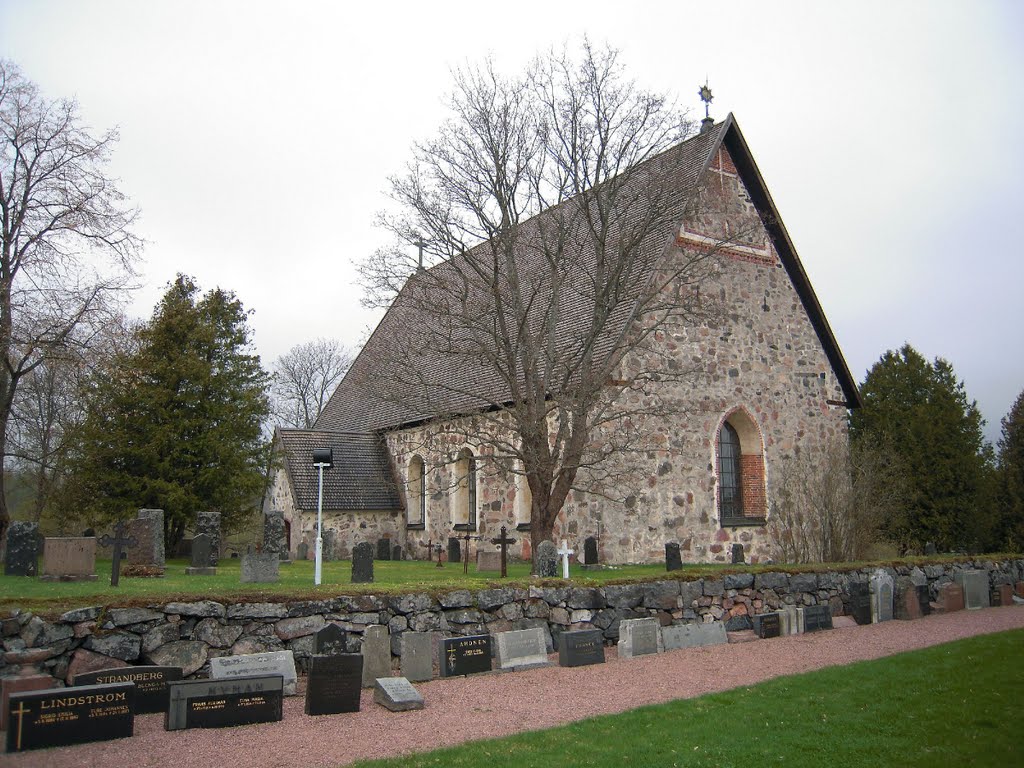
<point>564,552</point>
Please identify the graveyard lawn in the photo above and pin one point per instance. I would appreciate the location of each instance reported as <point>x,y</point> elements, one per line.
<point>952,704</point>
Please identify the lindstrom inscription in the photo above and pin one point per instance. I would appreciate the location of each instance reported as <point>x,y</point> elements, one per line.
<point>58,717</point>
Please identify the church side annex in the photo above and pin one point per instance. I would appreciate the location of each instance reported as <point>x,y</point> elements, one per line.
<point>762,381</point>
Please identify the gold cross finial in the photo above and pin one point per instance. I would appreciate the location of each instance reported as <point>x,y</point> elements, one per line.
<point>706,97</point>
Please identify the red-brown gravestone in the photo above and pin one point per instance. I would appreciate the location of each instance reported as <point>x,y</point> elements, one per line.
<point>951,597</point>
<point>1020,589</point>
<point>22,684</point>
<point>910,605</point>
<point>1005,594</point>
<point>69,559</point>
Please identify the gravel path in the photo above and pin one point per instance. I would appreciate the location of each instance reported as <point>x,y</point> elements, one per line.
<point>461,709</point>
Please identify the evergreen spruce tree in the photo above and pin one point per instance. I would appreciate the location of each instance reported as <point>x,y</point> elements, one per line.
<point>176,422</point>
<point>920,413</point>
<point>1011,477</point>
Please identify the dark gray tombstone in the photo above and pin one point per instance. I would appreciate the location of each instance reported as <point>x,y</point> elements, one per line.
<point>454,550</point>
<point>330,640</point>
<point>151,691</point>
<point>673,560</point>
<point>52,718</point>
<point>334,684</point>
<point>208,524</point>
<point>383,549</point>
<point>590,550</point>
<point>260,568</point>
<point>581,647</point>
<point>224,703</point>
<point>465,655</point>
<point>924,599</point>
<point>547,559</point>
<point>396,552</point>
<point>737,554</point>
<point>302,551</point>
<point>767,625</point>
<point>21,553</point>
<point>330,545</point>
<point>817,617</point>
<point>362,563</point>
<point>273,533</point>
<point>202,557</point>
<point>860,602</point>
<point>396,694</point>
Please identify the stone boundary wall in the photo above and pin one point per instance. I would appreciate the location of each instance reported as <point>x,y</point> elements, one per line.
<point>188,634</point>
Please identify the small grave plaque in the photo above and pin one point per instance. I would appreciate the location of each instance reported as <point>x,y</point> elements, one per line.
<point>417,655</point>
<point>257,665</point>
<point>57,717</point>
<point>580,647</point>
<point>260,568</point>
<point>767,625</point>
<point>817,617</point>
<point>334,684</point>
<point>521,649</point>
<point>21,550</point>
<point>465,655</point>
<point>362,563</point>
<point>150,684</point>
<point>693,635</point>
<point>330,640</point>
<point>224,703</point>
<point>673,559</point>
<point>638,637</point>
<point>975,586</point>
<point>396,694</point>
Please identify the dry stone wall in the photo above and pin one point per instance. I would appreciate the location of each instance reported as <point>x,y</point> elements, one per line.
<point>189,634</point>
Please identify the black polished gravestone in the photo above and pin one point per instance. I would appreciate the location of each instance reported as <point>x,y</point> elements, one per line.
<point>151,691</point>
<point>362,563</point>
<point>860,602</point>
<point>330,640</point>
<point>581,647</point>
<point>465,655</point>
<point>383,549</point>
<point>454,550</point>
<point>396,552</point>
<point>60,716</point>
<point>590,551</point>
<point>224,703</point>
<point>817,617</point>
<point>767,625</point>
<point>673,560</point>
<point>21,549</point>
<point>334,684</point>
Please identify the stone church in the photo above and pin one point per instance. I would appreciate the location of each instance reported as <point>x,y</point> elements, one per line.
<point>768,382</point>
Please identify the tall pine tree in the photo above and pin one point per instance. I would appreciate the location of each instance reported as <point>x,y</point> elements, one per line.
<point>175,423</point>
<point>920,412</point>
<point>1011,477</point>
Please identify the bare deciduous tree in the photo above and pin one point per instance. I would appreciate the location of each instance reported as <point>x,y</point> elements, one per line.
<point>304,378</point>
<point>539,229</point>
<point>66,249</point>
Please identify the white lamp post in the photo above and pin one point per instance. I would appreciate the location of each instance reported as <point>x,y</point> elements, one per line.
<point>323,458</point>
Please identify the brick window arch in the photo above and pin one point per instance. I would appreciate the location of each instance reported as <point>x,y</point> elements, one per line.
<point>739,454</point>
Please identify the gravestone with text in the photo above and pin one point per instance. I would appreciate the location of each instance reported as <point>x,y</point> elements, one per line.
<point>816,617</point>
<point>465,655</point>
<point>330,640</point>
<point>693,635</point>
<point>148,531</point>
<point>638,637</point>
<point>224,703</point>
<point>860,602</point>
<point>521,649</point>
<point>547,559</point>
<point>673,559</point>
<point>257,665</point>
<point>362,563</point>
<point>951,597</point>
<point>334,684</point>
<point>383,549</point>
<point>376,652</point>
<point>260,568</point>
<point>151,684</point>
<point>417,662</point>
<point>69,559</point>
<point>21,549</point>
<point>975,586</point>
<point>881,596</point>
<point>397,694</point>
<point>767,625</point>
<point>203,561</point>
<point>488,561</point>
<point>208,524</point>
<point>581,647</point>
<point>56,717</point>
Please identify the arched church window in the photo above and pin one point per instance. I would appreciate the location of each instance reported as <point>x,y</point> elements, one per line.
<point>730,490</point>
<point>524,502</point>
<point>740,463</point>
<point>464,512</point>
<point>416,508</point>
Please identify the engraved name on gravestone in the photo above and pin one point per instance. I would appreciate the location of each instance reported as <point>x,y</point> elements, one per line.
<point>465,655</point>
<point>148,531</point>
<point>69,559</point>
<point>376,652</point>
<point>224,703</point>
<point>330,640</point>
<point>693,635</point>
<point>57,717</point>
<point>259,568</point>
<point>581,647</point>
<point>397,694</point>
<point>150,684</point>
<point>816,617</point>
<point>362,563</point>
<point>334,684</point>
<point>547,559</point>
<point>975,586</point>
<point>881,596</point>
<point>521,649</point>
<point>767,625</point>
<point>638,637</point>
<point>673,560</point>
<point>951,597</point>
<point>21,549</point>
<point>417,656</point>
<point>257,665</point>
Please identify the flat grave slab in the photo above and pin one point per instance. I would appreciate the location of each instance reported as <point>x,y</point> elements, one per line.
<point>693,635</point>
<point>224,703</point>
<point>334,684</point>
<point>257,665</point>
<point>521,649</point>
<point>465,655</point>
<point>396,694</point>
<point>151,692</point>
<point>56,717</point>
<point>581,647</point>
<point>638,637</point>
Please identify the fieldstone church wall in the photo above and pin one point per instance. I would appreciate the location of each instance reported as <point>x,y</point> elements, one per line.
<point>189,634</point>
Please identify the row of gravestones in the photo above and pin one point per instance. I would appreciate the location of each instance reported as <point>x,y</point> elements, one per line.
<point>140,543</point>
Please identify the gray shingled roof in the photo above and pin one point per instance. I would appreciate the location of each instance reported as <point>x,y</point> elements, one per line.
<point>361,478</point>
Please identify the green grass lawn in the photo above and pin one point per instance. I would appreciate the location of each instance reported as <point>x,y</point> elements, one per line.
<point>952,705</point>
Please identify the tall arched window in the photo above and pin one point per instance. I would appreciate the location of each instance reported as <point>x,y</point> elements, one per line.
<point>740,461</point>
<point>416,508</point>
<point>730,489</point>
<point>464,509</point>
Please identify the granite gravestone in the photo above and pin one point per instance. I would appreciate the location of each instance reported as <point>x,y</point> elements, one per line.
<point>547,559</point>
<point>224,703</point>
<point>302,551</point>
<point>488,562</point>
<point>148,531</point>
<point>881,596</point>
<point>259,568</point>
<point>272,663</point>
<point>581,647</point>
<point>21,551</point>
<point>151,691</point>
<point>673,560</point>
<point>202,557</point>
<point>521,649</point>
<point>767,625</point>
<point>951,597</point>
<point>208,524</point>
<point>816,617</point>
<point>454,550</point>
<point>376,652</point>
<point>362,563</point>
<point>465,655</point>
<point>397,694</point>
<point>693,635</point>
<point>417,656</point>
<point>334,684</point>
<point>638,637</point>
<point>274,539</point>
<point>396,552</point>
<point>330,640</point>
<point>860,602</point>
<point>57,717</point>
<point>923,599</point>
<point>383,549</point>
<point>20,684</point>
<point>330,542</point>
<point>737,554</point>
<point>69,559</point>
<point>590,550</point>
<point>975,586</point>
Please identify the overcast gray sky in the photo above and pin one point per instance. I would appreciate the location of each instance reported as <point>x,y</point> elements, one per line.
<point>257,138</point>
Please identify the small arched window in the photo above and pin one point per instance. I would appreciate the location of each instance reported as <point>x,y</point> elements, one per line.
<point>416,509</point>
<point>740,461</point>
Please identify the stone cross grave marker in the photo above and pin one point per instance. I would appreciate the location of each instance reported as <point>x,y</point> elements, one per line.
<point>503,541</point>
<point>119,543</point>
<point>431,549</point>
<point>547,559</point>
<point>362,563</point>
<point>564,552</point>
<point>467,537</point>
<point>21,551</point>
<point>396,694</point>
<point>673,560</point>
<point>590,550</point>
<point>69,559</point>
